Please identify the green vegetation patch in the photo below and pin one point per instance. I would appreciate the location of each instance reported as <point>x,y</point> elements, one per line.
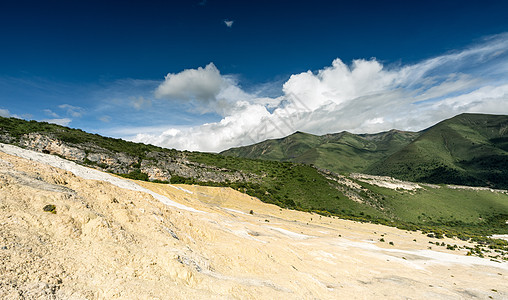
<point>50,208</point>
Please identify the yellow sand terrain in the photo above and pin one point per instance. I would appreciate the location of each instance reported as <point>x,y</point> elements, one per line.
<point>104,241</point>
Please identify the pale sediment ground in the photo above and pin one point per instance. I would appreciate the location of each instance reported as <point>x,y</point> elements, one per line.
<point>394,184</point>
<point>386,182</point>
<point>112,242</point>
<point>476,188</point>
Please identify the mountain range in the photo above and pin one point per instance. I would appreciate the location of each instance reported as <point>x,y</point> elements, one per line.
<point>468,149</point>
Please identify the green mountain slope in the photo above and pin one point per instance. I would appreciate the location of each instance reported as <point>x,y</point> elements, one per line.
<point>469,149</point>
<point>284,149</point>
<point>341,152</point>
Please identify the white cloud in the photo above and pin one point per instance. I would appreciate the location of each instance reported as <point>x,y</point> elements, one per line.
<point>72,110</point>
<point>365,96</point>
<point>212,136</point>
<point>4,113</point>
<point>7,114</point>
<point>61,121</point>
<point>202,84</point>
<point>140,102</point>
<point>51,113</point>
<point>229,23</point>
<point>105,119</point>
<point>340,83</point>
<point>205,89</point>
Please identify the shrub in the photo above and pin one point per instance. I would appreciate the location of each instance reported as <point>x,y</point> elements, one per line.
<point>50,208</point>
<point>181,179</point>
<point>136,175</point>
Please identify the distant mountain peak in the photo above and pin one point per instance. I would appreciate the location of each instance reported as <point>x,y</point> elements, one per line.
<point>440,153</point>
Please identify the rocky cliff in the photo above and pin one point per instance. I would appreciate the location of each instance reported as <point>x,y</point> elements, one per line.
<point>157,165</point>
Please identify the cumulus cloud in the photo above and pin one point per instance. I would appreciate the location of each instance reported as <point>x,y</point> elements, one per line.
<point>340,83</point>
<point>205,89</point>
<point>364,96</point>
<point>202,84</point>
<point>211,136</point>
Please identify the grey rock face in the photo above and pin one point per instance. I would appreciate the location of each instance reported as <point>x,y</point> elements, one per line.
<point>43,143</point>
<point>157,165</point>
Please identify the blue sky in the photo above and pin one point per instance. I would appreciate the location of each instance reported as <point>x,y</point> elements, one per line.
<point>209,75</point>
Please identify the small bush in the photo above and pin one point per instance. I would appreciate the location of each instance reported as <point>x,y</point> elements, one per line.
<point>50,208</point>
<point>136,175</point>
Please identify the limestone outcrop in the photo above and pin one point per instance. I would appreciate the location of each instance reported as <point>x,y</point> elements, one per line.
<point>157,165</point>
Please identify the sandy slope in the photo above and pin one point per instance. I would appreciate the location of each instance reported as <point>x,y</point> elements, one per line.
<point>112,238</point>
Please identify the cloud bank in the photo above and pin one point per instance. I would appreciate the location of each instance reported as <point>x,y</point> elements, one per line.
<point>7,114</point>
<point>59,121</point>
<point>4,113</point>
<point>362,97</point>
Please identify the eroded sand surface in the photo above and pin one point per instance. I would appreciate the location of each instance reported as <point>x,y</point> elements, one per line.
<point>111,240</point>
